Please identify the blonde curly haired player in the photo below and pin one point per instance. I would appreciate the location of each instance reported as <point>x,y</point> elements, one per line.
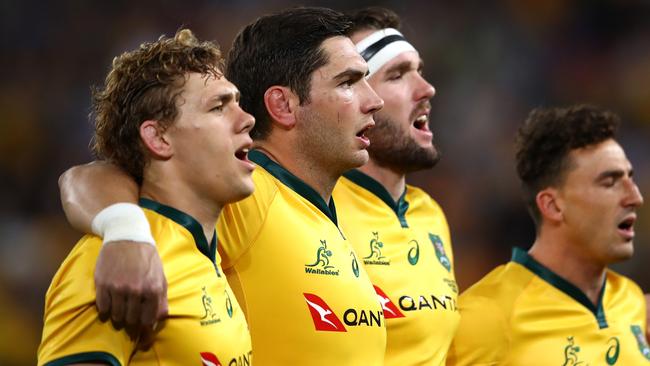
<point>164,112</point>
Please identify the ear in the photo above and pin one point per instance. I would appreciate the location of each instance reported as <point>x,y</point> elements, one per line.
<point>154,138</point>
<point>281,105</point>
<point>549,205</point>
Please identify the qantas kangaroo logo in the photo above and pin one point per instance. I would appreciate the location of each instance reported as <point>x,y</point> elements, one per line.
<point>322,315</point>
<point>209,359</point>
<point>390,310</point>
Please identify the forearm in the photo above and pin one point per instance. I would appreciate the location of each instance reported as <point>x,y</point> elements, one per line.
<point>87,189</point>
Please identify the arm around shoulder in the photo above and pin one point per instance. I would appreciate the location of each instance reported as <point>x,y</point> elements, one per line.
<point>130,283</point>
<point>87,189</point>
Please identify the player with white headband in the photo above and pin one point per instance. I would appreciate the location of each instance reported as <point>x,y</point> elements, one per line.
<point>398,231</point>
<point>381,47</point>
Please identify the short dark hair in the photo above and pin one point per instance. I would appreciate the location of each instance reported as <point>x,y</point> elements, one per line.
<point>283,49</point>
<point>547,137</point>
<point>144,84</point>
<point>374,17</point>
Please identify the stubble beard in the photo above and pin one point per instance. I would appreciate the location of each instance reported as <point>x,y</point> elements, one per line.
<point>393,148</point>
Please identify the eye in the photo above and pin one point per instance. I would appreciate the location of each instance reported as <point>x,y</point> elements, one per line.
<point>218,108</point>
<point>608,182</point>
<point>395,76</point>
<point>347,83</point>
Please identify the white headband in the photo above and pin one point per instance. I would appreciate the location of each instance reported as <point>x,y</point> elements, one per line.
<point>382,46</point>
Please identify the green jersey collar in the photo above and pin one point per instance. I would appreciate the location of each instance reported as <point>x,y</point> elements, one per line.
<point>187,222</point>
<point>371,185</point>
<point>295,183</point>
<point>521,256</point>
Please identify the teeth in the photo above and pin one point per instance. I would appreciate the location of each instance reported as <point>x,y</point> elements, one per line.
<point>422,118</point>
<point>244,151</point>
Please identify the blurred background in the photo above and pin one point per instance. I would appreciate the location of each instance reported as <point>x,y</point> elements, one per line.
<point>490,61</point>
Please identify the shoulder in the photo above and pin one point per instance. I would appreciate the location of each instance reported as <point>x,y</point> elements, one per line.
<point>254,207</point>
<point>420,199</point>
<point>503,285</point>
<point>241,222</point>
<point>485,308</point>
<point>620,286</point>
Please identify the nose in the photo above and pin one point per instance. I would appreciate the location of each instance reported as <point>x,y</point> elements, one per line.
<point>372,102</point>
<point>424,90</point>
<point>246,121</point>
<point>634,197</point>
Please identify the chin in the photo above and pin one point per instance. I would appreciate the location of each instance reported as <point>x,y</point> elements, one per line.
<point>623,252</point>
<point>241,191</point>
<point>360,158</point>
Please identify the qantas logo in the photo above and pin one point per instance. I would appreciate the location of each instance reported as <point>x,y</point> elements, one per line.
<point>323,316</point>
<point>209,359</point>
<point>390,310</point>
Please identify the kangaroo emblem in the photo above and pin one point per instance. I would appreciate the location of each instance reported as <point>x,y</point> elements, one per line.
<point>571,354</point>
<point>207,305</point>
<point>322,256</point>
<point>375,247</point>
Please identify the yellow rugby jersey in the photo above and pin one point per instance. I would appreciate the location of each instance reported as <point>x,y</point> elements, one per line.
<point>521,313</point>
<point>307,299</point>
<point>405,247</point>
<point>205,324</point>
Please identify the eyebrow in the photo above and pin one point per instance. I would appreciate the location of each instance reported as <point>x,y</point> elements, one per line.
<point>223,97</point>
<point>404,66</point>
<point>350,73</point>
<point>616,174</point>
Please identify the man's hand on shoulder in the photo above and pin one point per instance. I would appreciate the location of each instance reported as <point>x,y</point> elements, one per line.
<point>131,288</point>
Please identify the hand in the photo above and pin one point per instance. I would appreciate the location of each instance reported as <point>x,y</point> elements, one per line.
<point>131,289</point>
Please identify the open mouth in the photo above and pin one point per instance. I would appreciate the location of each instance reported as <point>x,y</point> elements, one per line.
<point>242,154</point>
<point>421,123</point>
<point>626,227</point>
<point>362,133</point>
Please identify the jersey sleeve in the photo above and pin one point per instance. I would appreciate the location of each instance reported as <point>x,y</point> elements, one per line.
<point>72,331</point>
<point>481,338</point>
<point>241,222</point>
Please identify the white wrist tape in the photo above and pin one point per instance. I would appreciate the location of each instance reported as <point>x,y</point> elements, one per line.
<point>122,221</point>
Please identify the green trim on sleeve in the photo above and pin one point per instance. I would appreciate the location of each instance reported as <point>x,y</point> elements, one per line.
<point>365,181</point>
<point>190,224</point>
<point>521,256</point>
<point>105,357</point>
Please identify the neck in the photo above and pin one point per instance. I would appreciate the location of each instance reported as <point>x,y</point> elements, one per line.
<point>393,181</point>
<point>560,257</point>
<point>308,171</point>
<point>171,191</point>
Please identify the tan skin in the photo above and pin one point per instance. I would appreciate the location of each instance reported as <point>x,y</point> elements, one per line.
<point>580,235</point>
<point>339,94</point>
